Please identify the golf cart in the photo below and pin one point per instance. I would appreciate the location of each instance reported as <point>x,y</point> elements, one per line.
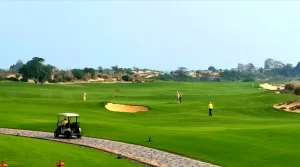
<point>70,128</point>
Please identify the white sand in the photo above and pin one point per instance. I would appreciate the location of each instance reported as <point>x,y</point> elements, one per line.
<point>268,86</point>
<point>288,106</point>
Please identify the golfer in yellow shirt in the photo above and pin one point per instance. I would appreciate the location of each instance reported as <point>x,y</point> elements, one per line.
<point>84,96</point>
<point>64,122</point>
<point>210,108</point>
<point>177,97</point>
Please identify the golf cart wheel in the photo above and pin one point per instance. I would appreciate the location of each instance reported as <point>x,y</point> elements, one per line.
<point>68,135</point>
<point>78,136</point>
<point>56,134</point>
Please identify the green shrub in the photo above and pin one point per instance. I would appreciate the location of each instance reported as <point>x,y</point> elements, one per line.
<point>67,78</point>
<point>249,79</point>
<point>24,79</point>
<point>297,91</point>
<point>52,81</point>
<point>127,78</point>
<point>78,74</point>
<point>149,80</point>
<point>217,79</point>
<point>205,78</point>
<point>12,79</point>
<point>18,75</point>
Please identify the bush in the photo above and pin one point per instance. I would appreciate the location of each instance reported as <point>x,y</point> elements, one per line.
<point>292,86</point>
<point>137,81</point>
<point>13,79</point>
<point>18,75</point>
<point>104,76</point>
<point>127,78</point>
<point>289,87</point>
<point>63,76</point>
<point>68,78</point>
<point>297,91</point>
<point>205,78</point>
<point>87,76</point>
<point>24,79</point>
<point>217,79</point>
<point>148,80</point>
<point>249,79</point>
<point>2,76</point>
<point>164,77</point>
<point>78,74</point>
<point>52,81</point>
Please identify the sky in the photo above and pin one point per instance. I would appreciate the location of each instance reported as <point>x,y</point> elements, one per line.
<point>159,35</point>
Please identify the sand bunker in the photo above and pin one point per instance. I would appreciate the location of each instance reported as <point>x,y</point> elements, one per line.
<point>271,87</point>
<point>290,106</point>
<point>125,108</point>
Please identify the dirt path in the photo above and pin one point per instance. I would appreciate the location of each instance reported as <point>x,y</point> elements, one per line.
<point>138,153</point>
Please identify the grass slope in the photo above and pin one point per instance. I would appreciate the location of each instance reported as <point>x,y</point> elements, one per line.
<point>244,131</point>
<point>21,151</point>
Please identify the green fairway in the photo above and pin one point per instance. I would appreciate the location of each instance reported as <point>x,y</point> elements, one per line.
<point>244,131</point>
<point>20,151</point>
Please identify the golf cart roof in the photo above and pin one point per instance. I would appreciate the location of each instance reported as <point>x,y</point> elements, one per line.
<point>69,114</point>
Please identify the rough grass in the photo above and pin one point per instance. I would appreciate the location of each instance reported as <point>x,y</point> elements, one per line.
<point>21,151</point>
<point>244,131</point>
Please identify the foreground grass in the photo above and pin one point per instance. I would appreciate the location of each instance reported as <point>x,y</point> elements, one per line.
<point>244,131</point>
<point>21,151</point>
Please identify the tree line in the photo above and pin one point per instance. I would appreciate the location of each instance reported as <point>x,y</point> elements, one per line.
<point>251,74</point>
<point>37,70</point>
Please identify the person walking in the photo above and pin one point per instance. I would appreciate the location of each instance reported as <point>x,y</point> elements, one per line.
<point>180,97</point>
<point>210,108</point>
<point>177,97</point>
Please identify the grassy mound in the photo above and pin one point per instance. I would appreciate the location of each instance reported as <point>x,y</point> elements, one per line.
<point>245,129</point>
<point>21,151</point>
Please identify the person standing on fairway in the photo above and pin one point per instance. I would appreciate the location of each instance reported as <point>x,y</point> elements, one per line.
<point>84,96</point>
<point>177,97</point>
<point>180,97</point>
<point>210,108</point>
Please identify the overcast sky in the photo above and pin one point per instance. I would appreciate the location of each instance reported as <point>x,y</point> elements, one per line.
<point>161,34</point>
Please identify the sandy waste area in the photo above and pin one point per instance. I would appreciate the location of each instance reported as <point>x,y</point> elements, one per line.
<point>125,108</point>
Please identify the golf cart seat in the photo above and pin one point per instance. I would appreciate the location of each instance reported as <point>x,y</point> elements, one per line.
<point>67,125</point>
